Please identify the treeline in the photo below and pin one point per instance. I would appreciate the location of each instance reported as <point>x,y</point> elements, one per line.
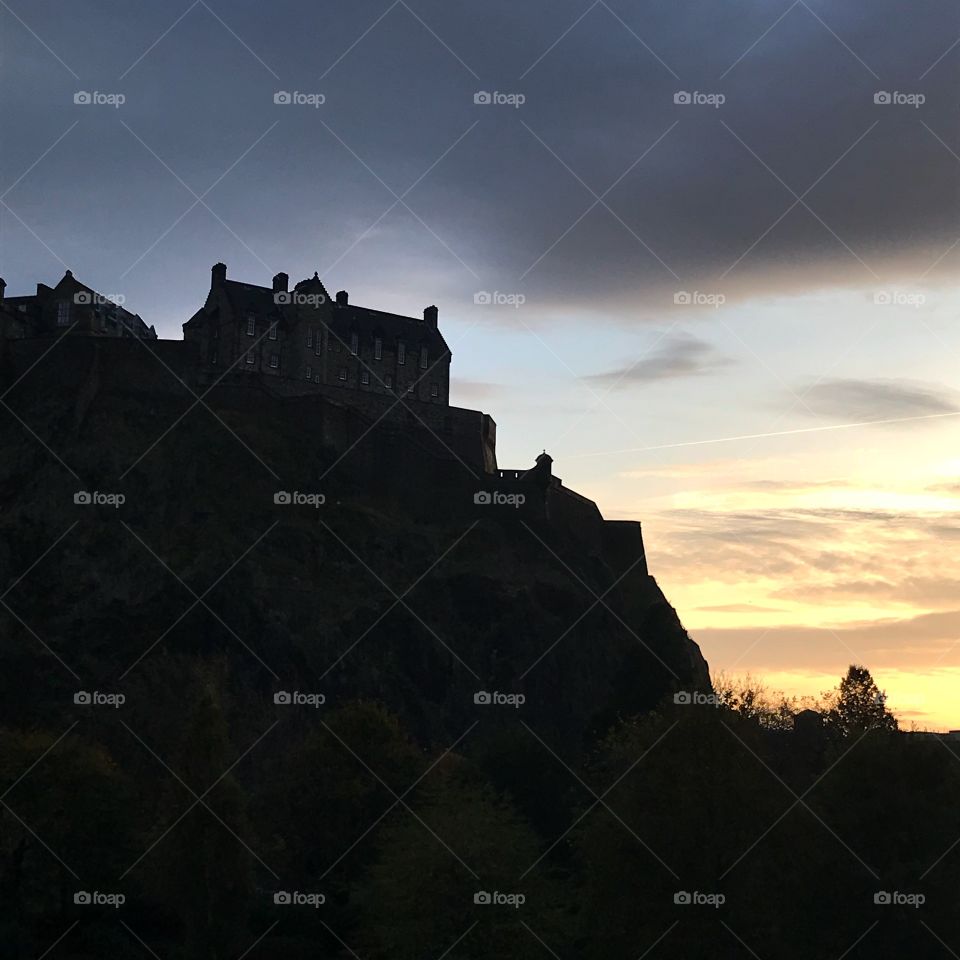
<point>733,828</point>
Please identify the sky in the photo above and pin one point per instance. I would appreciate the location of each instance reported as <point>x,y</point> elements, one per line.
<point>705,254</point>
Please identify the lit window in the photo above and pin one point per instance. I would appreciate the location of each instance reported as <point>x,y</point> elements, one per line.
<point>309,373</point>
<point>63,313</point>
<point>378,349</point>
<point>434,389</point>
<point>250,357</point>
<point>354,344</point>
<point>310,338</point>
<point>401,352</point>
<point>275,360</point>
<point>423,358</point>
<point>343,373</point>
<point>365,377</point>
<point>251,325</point>
<point>388,381</point>
<point>272,335</point>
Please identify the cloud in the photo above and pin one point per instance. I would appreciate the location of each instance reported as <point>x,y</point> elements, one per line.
<point>863,400</point>
<point>673,358</point>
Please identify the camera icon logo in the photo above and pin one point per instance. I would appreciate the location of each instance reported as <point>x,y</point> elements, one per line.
<point>482,497</point>
<point>681,96</point>
<point>682,898</point>
<point>282,298</point>
<point>482,298</point>
<point>482,897</point>
<point>482,697</point>
<point>482,97</point>
<point>82,897</point>
<point>82,697</point>
<point>882,97</point>
<point>282,97</point>
<point>882,898</point>
<point>281,696</point>
<point>82,97</point>
<point>682,298</point>
<point>82,497</point>
<point>281,896</point>
<point>683,697</point>
<point>82,297</point>
<point>282,497</point>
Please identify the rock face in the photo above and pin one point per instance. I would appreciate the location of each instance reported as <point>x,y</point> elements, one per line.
<point>394,588</point>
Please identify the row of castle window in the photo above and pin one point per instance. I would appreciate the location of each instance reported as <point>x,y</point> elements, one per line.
<point>354,344</point>
<point>365,380</point>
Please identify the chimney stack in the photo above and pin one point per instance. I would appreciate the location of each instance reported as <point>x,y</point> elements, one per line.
<point>280,283</point>
<point>342,298</point>
<point>430,317</point>
<point>218,275</point>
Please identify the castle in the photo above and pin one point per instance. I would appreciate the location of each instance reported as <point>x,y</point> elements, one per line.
<point>354,371</point>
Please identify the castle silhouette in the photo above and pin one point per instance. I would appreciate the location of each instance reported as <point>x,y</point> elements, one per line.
<point>371,372</point>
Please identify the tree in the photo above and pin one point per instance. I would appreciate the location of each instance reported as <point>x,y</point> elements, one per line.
<point>859,705</point>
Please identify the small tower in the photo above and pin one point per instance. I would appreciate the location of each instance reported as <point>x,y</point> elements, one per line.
<point>544,467</point>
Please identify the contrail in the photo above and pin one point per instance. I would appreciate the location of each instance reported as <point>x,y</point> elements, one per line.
<point>760,436</point>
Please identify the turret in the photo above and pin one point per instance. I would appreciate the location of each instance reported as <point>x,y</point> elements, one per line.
<point>218,275</point>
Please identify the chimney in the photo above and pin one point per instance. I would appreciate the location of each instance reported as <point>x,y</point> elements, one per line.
<point>342,298</point>
<point>430,317</point>
<point>218,275</point>
<point>280,283</point>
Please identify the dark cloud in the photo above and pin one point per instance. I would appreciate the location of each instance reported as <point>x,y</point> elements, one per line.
<point>865,400</point>
<point>599,193</point>
<point>673,358</point>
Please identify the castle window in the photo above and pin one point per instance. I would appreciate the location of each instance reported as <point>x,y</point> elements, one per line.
<point>213,358</point>
<point>410,390</point>
<point>342,375</point>
<point>309,373</point>
<point>250,358</point>
<point>275,360</point>
<point>354,344</point>
<point>434,389</point>
<point>388,381</point>
<point>63,313</point>
<point>365,377</point>
<point>401,352</point>
<point>377,348</point>
<point>316,378</point>
<point>423,358</point>
<point>251,325</point>
<point>272,335</point>
<point>216,333</point>
<point>310,338</point>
